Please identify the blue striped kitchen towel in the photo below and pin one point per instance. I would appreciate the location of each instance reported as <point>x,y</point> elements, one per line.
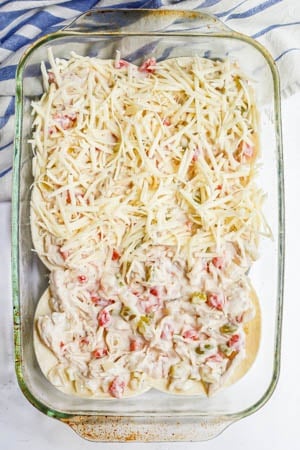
<point>275,23</point>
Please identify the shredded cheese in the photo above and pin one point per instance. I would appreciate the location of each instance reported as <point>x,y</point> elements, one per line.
<point>152,163</point>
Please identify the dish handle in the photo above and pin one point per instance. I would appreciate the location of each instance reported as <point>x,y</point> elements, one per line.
<point>151,429</point>
<point>125,21</point>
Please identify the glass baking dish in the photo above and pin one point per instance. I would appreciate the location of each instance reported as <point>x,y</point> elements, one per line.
<point>154,416</point>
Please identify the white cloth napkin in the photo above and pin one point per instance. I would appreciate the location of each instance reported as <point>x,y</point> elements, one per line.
<point>275,23</point>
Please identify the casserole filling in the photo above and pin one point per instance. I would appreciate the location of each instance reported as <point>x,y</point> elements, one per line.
<point>146,211</point>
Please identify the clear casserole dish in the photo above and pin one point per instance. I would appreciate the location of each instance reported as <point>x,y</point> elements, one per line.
<point>153,416</point>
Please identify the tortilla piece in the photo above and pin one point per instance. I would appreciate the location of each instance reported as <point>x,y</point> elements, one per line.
<point>236,370</point>
<point>238,367</point>
<point>47,360</point>
<point>252,331</point>
<point>196,388</point>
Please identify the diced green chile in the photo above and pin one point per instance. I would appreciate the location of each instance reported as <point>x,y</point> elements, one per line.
<point>202,349</point>
<point>127,313</point>
<point>228,328</point>
<point>198,297</point>
<point>143,324</point>
<point>225,349</point>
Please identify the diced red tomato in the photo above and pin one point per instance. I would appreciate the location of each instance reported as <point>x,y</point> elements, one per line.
<point>52,130</point>
<point>154,291</point>
<point>99,353</point>
<point>189,225</point>
<point>117,387</point>
<point>79,195</point>
<point>239,318</point>
<point>115,255</point>
<point>167,122</point>
<point>167,331</point>
<point>104,318</point>
<point>219,187</point>
<point>61,344</point>
<point>203,336</point>
<point>247,150</point>
<point>65,121</point>
<point>196,154</point>
<point>95,298</point>
<point>216,301</point>
<point>100,301</point>
<point>218,262</point>
<point>63,253</point>
<point>135,345</point>
<point>191,334</point>
<point>233,340</point>
<point>121,63</point>
<point>148,65</point>
<point>82,278</point>
<point>105,302</point>
<point>68,197</point>
<point>51,77</point>
<point>152,306</point>
<point>152,303</point>
<point>215,358</point>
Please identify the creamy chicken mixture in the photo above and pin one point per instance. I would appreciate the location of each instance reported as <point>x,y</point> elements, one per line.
<point>145,209</point>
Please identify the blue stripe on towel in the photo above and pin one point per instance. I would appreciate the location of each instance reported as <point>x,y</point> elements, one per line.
<point>15,41</point>
<point>16,27</point>
<point>272,27</point>
<point>151,4</point>
<point>7,17</point>
<point>285,52</point>
<point>8,72</point>
<point>79,5</point>
<point>257,9</point>
<point>4,172</point>
<point>4,120</point>
<point>5,146</point>
<point>44,19</point>
<point>225,13</point>
<point>11,107</point>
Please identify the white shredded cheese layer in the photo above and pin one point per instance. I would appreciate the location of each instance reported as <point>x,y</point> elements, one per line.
<point>146,207</point>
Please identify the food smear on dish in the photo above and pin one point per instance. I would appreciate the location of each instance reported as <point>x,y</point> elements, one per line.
<point>146,210</point>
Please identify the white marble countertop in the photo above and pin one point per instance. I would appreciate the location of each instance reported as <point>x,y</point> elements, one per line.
<point>275,426</point>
